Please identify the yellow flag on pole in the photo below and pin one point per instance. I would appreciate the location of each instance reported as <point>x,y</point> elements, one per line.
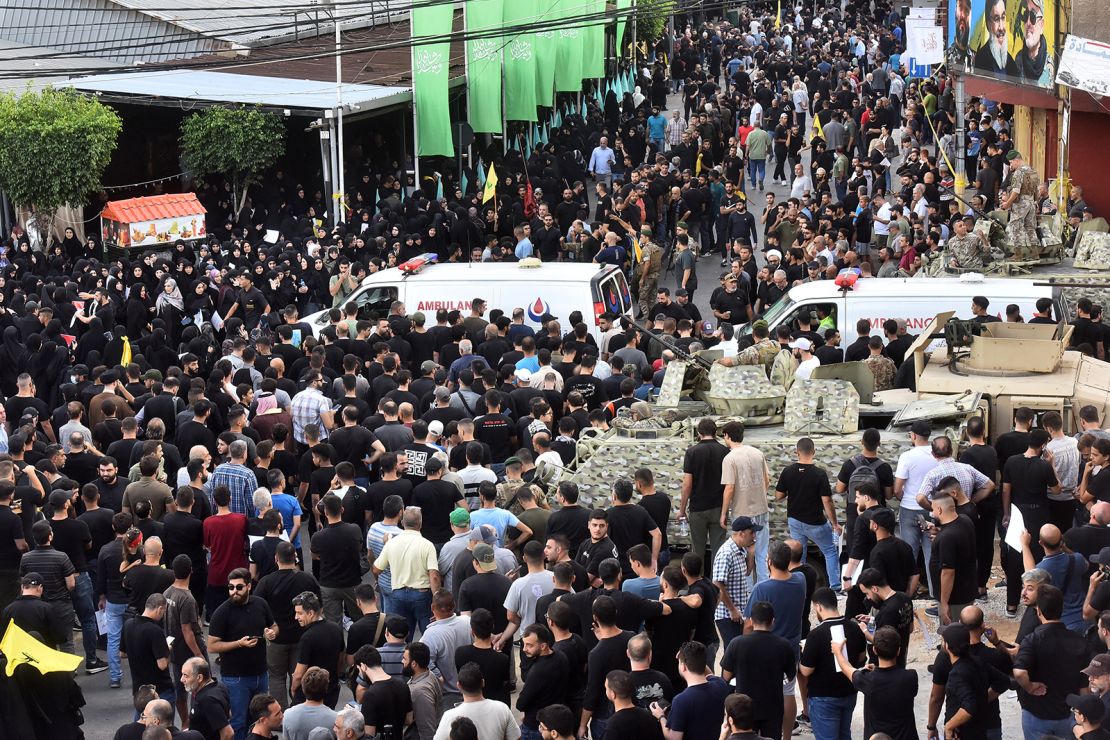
<point>637,250</point>
<point>491,184</point>
<point>818,127</point>
<point>22,649</point>
<point>778,16</point>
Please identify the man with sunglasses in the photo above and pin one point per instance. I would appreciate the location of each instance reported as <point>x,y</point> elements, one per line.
<point>237,634</point>
<point>1034,63</point>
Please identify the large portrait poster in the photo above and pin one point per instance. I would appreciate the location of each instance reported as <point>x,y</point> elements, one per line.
<point>1010,40</point>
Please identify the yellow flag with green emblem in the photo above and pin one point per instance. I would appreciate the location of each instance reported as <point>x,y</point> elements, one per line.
<point>22,649</point>
<point>491,184</point>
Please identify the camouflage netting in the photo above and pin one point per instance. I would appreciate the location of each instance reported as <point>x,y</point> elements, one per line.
<point>822,407</point>
<point>1093,251</point>
<point>619,455</point>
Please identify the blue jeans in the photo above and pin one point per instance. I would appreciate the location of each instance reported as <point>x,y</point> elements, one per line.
<point>527,733</point>
<point>910,533</point>
<point>831,717</point>
<point>822,536</point>
<point>385,598</point>
<point>240,691</point>
<point>415,606</point>
<point>729,631</point>
<point>83,607</point>
<point>115,630</point>
<point>762,542</point>
<point>757,170</point>
<point>1034,728</point>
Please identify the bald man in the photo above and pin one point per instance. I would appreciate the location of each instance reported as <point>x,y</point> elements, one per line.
<point>148,577</point>
<point>1089,539</point>
<point>972,618</point>
<point>1068,571</point>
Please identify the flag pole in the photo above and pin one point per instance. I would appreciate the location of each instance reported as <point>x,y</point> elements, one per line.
<point>415,126</point>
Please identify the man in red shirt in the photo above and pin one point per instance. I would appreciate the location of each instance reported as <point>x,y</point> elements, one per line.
<point>225,537</point>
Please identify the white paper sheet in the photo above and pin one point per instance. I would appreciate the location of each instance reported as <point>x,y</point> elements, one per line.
<point>102,621</point>
<point>1017,526</point>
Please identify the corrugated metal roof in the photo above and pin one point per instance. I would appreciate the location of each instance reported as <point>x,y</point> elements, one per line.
<point>302,96</point>
<point>265,19</point>
<point>152,208</point>
<point>21,66</point>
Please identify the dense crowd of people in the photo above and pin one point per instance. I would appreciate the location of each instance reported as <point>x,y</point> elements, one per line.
<point>267,521</point>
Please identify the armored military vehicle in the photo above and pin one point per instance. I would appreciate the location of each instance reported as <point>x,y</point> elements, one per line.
<point>1010,365</point>
<point>832,409</point>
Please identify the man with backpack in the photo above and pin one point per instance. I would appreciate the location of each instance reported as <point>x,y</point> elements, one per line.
<point>866,467</point>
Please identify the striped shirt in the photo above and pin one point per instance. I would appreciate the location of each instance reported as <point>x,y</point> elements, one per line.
<point>730,567</point>
<point>676,127</point>
<point>53,565</point>
<point>240,480</point>
<point>375,543</point>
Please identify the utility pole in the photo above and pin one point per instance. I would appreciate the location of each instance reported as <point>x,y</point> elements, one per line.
<point>961,171</point>
<point>339,197</point>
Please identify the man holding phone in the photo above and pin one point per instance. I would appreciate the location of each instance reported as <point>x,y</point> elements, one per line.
<point>236,634</point>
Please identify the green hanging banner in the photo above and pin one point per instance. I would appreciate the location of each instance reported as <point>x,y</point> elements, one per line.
<point>545,53</point>
<point>568,48</point>
<point>593,48</point>
<point>483,59</point>
<point>622,19</point>
<point>429,80</point>
<point>520,61</point>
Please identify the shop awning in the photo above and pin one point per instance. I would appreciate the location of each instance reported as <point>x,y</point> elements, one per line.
<point>298,97</point>
<point>152,208</point>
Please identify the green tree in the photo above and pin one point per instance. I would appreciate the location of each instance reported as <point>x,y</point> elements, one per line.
<point>239,143</point>
<point>651,18</point>
<point>54,146</point>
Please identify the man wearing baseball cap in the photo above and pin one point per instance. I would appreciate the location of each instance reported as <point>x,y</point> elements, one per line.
<point>1088,712</point>
<point>803,351</point>
<point>1098,679</point>
<point>732,568</point>
<point>32,614</point>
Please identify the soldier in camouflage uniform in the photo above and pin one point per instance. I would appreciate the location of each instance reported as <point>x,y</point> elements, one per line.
<point>881,366</point>
<point>764,350</point>
<point>1019,200</point>
<point>651,264</point>
<point>966,248</point>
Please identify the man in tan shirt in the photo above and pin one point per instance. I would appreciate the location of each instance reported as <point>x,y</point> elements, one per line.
<point>746,479</point>
<point>414,569</point>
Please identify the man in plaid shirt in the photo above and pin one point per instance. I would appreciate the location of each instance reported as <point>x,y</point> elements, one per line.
<point>676,127</point>
<point>733,567</point>
<point>238,478</point>
<point>974,486</point>
<point>310,406</point>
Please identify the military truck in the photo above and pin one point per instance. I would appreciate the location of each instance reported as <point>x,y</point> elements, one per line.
<point>1010,365</point>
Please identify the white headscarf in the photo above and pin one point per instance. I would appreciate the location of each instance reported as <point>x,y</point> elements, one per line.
<point>171,297</point>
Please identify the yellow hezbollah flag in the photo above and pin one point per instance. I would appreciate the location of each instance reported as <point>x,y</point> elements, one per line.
<point>20,648</point>
<point>636,250</point>
<point>818,127</point>
<point>491,184</point>
<point>125,356</point>
<point>697,166</point>
<point>778,16</point>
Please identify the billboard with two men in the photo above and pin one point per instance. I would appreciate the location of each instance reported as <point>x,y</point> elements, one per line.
<point>1010,40</point>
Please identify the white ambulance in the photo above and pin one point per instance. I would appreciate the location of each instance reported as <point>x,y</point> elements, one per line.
<point>917,300</point>
<point>555,288</point>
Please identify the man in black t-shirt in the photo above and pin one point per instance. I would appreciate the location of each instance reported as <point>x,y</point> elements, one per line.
<point>437,498</point>
<point>1026,481</point>
<point>278,590</point>
<point>210,712</point>
<point>238,633</point>
<point>891,557</point>
<point>810,514</point>
<point>585,383</point>
<point>630,524</point>
<point>702,490</point>
<point>598,547</point>
<point>249,302</point>
<point>321,645</point>
<point>148,655</point>
<point>764,666</point>
<point>386,700</point>
<point>869,456</point>
<point>952,560</point>
<point>981,456</point>
<point>338,547</point>
<point>893,609</point>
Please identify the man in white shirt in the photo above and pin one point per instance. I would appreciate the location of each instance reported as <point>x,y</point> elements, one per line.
<point>493,719</point>
<point>757,115</point>
<point>802,186</point>
<point>913,465</point>
<point>882,219</point>
<point>803,350</point>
